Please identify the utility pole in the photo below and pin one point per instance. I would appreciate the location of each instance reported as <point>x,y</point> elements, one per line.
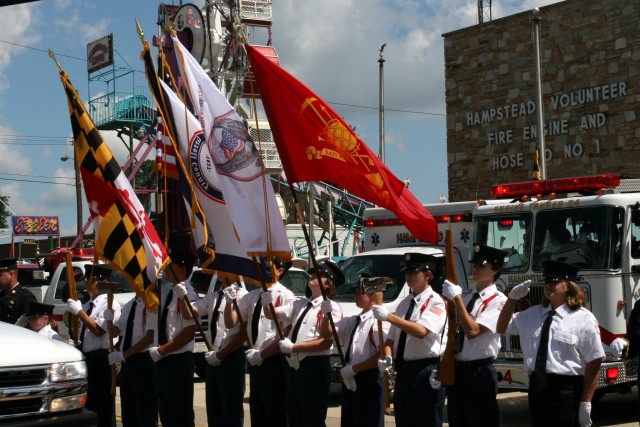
<point>76,169</point>
<point>381,62</point>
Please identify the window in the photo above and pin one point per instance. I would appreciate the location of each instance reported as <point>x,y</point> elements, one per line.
<point>510,233</point>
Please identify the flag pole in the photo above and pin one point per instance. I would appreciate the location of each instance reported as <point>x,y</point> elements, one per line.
<point>447,369</point>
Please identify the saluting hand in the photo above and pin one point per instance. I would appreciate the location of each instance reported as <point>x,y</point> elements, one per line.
<point>520,291</point>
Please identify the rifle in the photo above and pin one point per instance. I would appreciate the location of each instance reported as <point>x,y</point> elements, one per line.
<point>379,291</point>
<point>447,370</point>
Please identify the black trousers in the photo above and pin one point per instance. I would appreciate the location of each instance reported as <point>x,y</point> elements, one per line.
<point>225,385</point>
<point>415,403</point>
<point>365,406</point>
<point>268,392</point>
<point>308,392</point>
<point>175,390</point>
<point>139,391</point>
<point>557,404</point>
<point>472,400</point>
<point>99,398</point>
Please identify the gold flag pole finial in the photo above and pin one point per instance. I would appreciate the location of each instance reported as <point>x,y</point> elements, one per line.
<point>140,32</point>
<point>53,56</point>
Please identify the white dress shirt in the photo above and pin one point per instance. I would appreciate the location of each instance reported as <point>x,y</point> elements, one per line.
<point>366,340</point>
<point>48,332</point>
<point>141,323</point>
<point>92,342</point>
<point>429,311</point>
<point>206,306</point>
<point>175,322</point>
<point>574,338</point>
<point>485,312</point>
<point>310,327</point>
<point>267,333</point>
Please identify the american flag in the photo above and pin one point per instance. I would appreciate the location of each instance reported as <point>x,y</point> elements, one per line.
<point>230,144</point>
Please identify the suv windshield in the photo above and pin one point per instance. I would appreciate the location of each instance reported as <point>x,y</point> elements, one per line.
<point>62,291</point>
<point>380,266</point>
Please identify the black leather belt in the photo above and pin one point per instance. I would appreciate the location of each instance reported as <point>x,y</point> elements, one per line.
<point>472,364</point>
<point>419,362</point>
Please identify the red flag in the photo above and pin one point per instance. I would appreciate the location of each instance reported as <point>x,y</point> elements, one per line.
<point>315,144</point>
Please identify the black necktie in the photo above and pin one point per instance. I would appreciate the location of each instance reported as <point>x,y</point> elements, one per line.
<point>84,325</point>
<point>460,331</point>
<point>129,330</point>
<point>255,321</point>
<point>543,349</point>
<point>162,333</point>
<point>403,335</point>
<point>347,354</point>
<point>213,325</point>
<point>296,328</point>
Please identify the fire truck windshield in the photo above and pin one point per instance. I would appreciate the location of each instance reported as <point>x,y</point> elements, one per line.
<point>588,237</point>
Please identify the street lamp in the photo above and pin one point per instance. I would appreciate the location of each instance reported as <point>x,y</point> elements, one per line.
<point>381,92</point>
<point>78,192</point>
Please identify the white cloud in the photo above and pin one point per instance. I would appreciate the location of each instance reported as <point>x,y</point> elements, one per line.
<point>16,36</point>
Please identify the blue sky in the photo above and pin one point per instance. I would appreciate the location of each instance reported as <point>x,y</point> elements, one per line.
<point>331,46</point>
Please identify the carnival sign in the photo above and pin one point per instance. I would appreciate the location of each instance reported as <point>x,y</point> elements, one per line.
<point>24,225</point>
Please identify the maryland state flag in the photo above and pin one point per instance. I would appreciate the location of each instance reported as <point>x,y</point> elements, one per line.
<point>124,234</point>
<point>315,144</point>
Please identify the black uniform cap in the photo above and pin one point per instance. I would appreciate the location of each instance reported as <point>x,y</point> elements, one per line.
<point>331,270</point>
<point>418,261</point>
<point>483,254</point>
<point>99,271</point>
<point>277,261</point>
<point>555,271</point>
<point>181,257</point>
<point>39,309</point>
<point>8,264</point>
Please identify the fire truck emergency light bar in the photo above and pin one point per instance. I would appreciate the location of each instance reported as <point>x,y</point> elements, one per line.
<point>466,217</point>
<point>560,185</point>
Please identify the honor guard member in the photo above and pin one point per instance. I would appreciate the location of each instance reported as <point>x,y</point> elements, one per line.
<point>417,339</point>
<point>173,345</point>
<point>268,369</point>
<point>561,347</point>
<point>471,401</point>
<point>94,341</point>
<point>138,377</point>
<point>39,318</point>
<point>14,298</point>
<point>310,376</point>
<point>226,362</point>
<point>629,347</point>
<point>362,401</point>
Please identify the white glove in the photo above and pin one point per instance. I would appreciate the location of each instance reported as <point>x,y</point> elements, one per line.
<point>253,357</point>
<point>266,298</point>
<point>74,307</point>
<point>180,290</point>
<point>155,355</point>
<point>584,414</point>
<point>347,373</point>
<point>293,361</point>
<point>115,357</point>
<point>520,291</point>
<point>385,364</point>
<point>380,313</point>
<point>108,315</point>
<point>212,358</point>
<point>286,346</point>
<point>230,294</point>
<point>450,290</point>
<point>350,383</point>
<point>435,384</point>
<point>617,347</point>
<point>326,307</point>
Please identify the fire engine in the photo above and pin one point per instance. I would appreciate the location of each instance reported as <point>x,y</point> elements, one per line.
<point>592,222</point>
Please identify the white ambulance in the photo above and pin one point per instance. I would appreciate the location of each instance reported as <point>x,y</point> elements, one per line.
<point>592,222</point>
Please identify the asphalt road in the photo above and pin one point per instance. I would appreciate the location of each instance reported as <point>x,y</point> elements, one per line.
<point>612,410</point>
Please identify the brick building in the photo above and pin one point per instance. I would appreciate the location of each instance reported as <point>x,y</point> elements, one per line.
<point>589,56</point>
